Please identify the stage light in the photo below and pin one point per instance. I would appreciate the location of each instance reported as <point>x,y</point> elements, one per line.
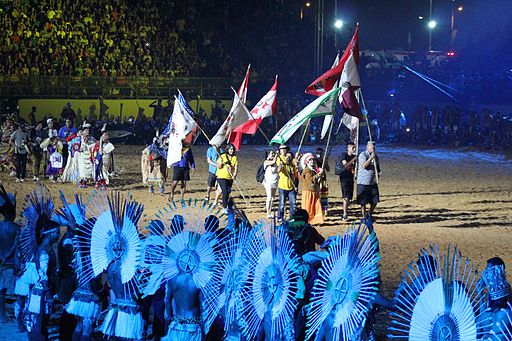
<point>450,54</point>
<point>432,24</point>
<point>338,24</point>
<point>460,8</point>
<point>308,4</point>
<point>420,17</point>
<point>408,129</point>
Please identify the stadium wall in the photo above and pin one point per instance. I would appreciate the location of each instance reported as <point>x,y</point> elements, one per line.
<point>84,107</point>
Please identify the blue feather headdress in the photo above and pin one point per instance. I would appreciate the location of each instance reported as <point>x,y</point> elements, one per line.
<point>110,234</point>
<point>270,276</point>
<point>184,237</point>
<point>438,299</point>
<point>347,282</point>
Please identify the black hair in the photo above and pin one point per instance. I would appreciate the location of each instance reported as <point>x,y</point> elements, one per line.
<point>351,144</point>
<point>495,261</point>
<point>211,223</point>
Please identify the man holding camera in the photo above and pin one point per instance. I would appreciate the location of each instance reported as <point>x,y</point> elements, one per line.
<point>367,183</point>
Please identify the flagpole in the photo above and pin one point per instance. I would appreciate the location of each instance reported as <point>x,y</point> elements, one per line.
<point>369,135</point>
<point>356,166</point>
<point>254,120</point>
<point>303,135</point>
<point>327,145</point>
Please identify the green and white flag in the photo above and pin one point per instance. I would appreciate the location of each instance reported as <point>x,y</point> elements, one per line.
<point>323,105</point>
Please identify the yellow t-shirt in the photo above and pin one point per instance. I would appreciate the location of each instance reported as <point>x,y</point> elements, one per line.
<point>286,174</point>
<point>228,169</point>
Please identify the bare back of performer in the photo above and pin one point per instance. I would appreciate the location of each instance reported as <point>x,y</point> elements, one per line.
<point>184,308</point>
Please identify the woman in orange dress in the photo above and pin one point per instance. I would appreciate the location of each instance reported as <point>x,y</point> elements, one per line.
<point>311,191</point>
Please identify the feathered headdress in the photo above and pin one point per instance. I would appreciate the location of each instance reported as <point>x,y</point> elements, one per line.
<point>232,278</point>
<point>72,215</point>
<point>110,235</point>
<point>270,277</point>
<point>184,238</point>
<point>347,281</point>
<point>7,202</point>
<point>37,215</point>
<point>438,300</point>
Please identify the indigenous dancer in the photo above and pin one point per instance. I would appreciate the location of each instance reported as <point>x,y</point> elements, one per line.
<point>72,170</point>
<point>102,156</point>
<point>270,276</point>
<point>55,159</point>
<point>181,171</point>
<point>85,161</point>
<point>153,165</point>
<point>346,284</point>
<point>190,264</point>
<point>37,241</point>
<point>70,216</point>
<point>438,302</point>
<point>311,176</point>
<point>227,170</point>
<point>498,308</point>
<point>111,244</point>
<point>8,232</point>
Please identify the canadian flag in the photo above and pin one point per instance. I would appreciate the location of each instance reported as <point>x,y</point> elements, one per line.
<point>346,72</point>
<point>265,107</point>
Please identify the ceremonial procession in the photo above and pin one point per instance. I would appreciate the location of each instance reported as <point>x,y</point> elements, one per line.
<point>171,183</point>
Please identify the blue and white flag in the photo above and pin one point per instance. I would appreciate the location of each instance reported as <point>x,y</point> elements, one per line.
<point>182,125</point>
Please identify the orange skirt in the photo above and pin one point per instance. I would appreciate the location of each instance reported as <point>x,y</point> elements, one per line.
<point>311,203</point>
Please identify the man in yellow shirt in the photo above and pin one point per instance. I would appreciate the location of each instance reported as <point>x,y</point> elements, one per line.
<point>286,184</point>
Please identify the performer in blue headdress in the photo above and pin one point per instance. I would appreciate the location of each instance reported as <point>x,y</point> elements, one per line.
<point>37,240</point>
<point>270,276</point>
<point>346,285</point>
<point>188,257</point>
<point>497,312</point>
<point>8,232</point>
<point>438,300</point>
<point>111,244</point>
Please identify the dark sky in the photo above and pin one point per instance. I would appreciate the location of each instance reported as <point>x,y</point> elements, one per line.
<point>386,24</point>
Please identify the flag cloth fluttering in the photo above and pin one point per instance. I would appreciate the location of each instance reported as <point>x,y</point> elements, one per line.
<point>328,118</point>
<point>238,115</point>
<point>183,127</point>
<point>323,105</point>
<point>346,73</point>
<point>266,107</point>
<point>242,91</point>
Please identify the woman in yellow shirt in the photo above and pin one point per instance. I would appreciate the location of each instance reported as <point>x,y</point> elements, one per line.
<point>227,169</point>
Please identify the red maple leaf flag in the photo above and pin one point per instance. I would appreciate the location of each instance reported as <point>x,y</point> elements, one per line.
<point>265,107</point>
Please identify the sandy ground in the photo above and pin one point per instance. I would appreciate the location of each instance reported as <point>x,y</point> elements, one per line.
<point>444,197</point>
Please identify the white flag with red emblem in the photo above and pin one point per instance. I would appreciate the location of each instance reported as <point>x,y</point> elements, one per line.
<point>265,107</point>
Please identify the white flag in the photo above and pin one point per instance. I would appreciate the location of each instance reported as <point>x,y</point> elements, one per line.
<point>238,115</point>
<point>328,118</point>
<point>181,125</point>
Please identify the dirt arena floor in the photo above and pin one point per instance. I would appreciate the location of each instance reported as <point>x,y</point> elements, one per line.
<point>428,196</point>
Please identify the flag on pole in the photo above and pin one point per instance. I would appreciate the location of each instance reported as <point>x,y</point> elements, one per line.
<point>238,115</point>
<point>182,125</point>
<point>323,105</point>
<point>328,118</point>
<point>242,91</point>
<point>346,72</point>
<point>266,107</point>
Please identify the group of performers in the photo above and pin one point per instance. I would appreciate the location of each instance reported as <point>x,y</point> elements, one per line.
<point>210,274</point>
<point>68,155</point>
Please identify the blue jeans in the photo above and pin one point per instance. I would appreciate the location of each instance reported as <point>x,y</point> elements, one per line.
<point>283,195</point>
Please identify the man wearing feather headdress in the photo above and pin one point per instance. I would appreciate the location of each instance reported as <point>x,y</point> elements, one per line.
<point>8,231</point>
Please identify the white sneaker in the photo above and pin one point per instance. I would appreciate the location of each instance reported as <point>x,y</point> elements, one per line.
<point>22,180</point>
<point>18,180</point>
<point>35,178</point>
<point>13,173</point>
